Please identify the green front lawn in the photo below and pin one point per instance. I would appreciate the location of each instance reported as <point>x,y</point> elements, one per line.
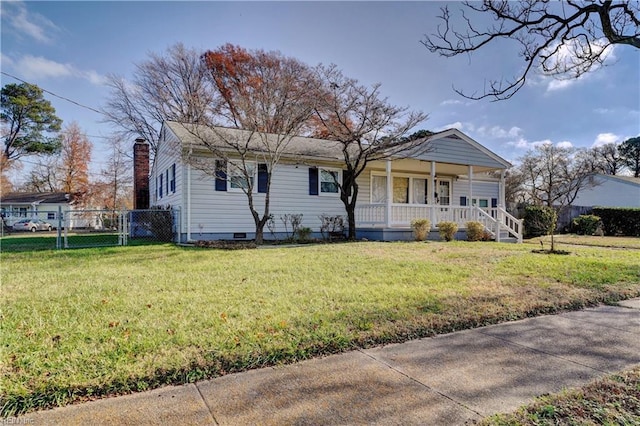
<point>89,322</point>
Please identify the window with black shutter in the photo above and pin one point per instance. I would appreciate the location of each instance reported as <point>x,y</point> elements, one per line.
<point>263,176</point>
<point>221,175</point>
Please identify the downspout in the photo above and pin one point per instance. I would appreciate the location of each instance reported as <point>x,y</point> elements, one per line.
<point>432,193</point>
<point>470,173</point>
<point>389,194</point>
<point>188,202</point>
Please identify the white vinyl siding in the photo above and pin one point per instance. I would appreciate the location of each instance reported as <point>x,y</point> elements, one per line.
<point>610,191</point>
<point>227,211</point>
<point>166,157</point>
<point>457,151</point>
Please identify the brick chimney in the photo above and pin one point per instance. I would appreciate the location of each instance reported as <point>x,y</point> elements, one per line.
<point>140,174</point>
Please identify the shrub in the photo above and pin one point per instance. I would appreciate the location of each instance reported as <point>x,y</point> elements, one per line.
<point>475,231</point>
<point>585,224</point>
<point>619,221</point>
<point>303,233</point>
<point>295,220</point>
<point>539,220</point>
<point>331,226</point>
<point>447,230</point>
<point>421,228</point>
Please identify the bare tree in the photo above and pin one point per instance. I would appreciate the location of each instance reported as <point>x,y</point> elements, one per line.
<point>114,188</point>
<point>169,86</point>
<point>562,39</point>
<point>366,126</point>
<point>269,98</point>
<point>43,176</point>
<point>553,176</point>
<point>68,172</point>
<point>603,159</point>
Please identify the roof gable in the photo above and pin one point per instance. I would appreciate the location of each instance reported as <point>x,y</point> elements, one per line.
<point>453,146</point>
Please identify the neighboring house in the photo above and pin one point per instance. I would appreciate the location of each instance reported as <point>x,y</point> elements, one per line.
<point>610,191</point>
<point>448,177</point>
<point>45,206</point>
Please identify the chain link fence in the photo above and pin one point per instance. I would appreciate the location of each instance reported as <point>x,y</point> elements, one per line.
<point>88,228</point>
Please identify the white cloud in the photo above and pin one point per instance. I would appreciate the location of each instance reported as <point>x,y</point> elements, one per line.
<point>541,143</point>
<point>605,138</point>
<point>499,132</point>
<point>33,67</point>
<point>520,143</point>
<point>453,102</point>
<point>554,85</point>
<point>457,125</point>
<point>564,144</point>
<point>26,23</point>
<point>37,67</point>
<point>602,111</point>
<point>566,62</point>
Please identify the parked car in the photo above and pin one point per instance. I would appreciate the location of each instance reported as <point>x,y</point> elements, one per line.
<point>32,225</point>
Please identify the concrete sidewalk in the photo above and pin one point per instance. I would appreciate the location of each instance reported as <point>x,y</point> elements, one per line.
<point>452,379</point>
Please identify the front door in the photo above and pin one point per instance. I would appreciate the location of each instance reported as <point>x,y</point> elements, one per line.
<point>444,192</point>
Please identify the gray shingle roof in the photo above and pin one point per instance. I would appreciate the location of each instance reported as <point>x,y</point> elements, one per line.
<point>298,146</point>
<point>37,197</point>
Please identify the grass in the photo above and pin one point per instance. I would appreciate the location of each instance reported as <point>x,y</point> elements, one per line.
<point>79,324</point>
<point>587,240</point>
<point>613,400</point>
<point>25,241</point>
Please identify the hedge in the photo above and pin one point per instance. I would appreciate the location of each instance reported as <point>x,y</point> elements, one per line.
<point>619,220</point>
<point>539,220</point>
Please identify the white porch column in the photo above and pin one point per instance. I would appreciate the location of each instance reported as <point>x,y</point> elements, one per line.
<point>389,194</point>
<point>432,185</point>
<point>470,174</point>
<point>501,201</point>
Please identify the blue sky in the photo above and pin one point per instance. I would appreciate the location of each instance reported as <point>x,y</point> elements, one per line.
<point>68,47</point>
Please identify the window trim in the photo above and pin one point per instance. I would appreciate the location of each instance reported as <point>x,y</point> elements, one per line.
<point>230,175</point>
<point>338,179</point>
<point>411,177</point>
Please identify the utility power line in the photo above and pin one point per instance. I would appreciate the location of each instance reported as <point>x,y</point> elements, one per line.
<point>56,95</point>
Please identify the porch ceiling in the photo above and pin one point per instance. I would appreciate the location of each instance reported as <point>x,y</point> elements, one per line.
<point>421,166</point>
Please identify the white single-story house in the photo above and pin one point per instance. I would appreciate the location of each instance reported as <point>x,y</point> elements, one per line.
<point>610,191</point>
<point>45,206</point>
<point>448,177</point>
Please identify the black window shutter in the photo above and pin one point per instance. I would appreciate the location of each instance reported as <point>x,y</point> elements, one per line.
<point>346,175</point>
<point>262,178</point>
<point>313,181</point>
<point>221,175</point>
<point>173,177</point>
<point>494,203</point>
<point>463,201</point>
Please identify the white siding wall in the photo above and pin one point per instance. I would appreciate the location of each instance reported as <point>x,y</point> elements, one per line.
<point>228,211</point>
<point>610,193</point>
<point>167,155</point>
<point>486,190</point>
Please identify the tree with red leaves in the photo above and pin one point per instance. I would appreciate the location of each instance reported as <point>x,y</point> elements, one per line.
<point>267,95</point>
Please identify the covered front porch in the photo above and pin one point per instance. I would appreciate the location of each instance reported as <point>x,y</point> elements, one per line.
<point>423,186</point>
<point>394,221</point>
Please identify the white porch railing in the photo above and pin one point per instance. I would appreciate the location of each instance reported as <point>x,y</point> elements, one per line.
<point>495,220</point>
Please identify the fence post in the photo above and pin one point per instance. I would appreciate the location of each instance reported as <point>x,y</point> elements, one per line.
<point>59,230</point>
<point>66,216</point>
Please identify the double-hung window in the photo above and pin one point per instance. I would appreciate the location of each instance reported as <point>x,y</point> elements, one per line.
<point>238,180</point>
<point>329,181</point>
